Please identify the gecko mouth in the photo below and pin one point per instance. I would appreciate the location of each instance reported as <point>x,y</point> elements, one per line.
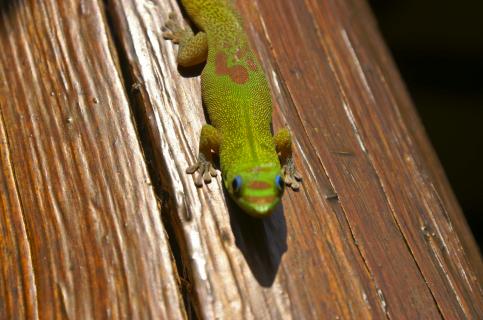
<point>261,200</point>
<point>259,206</point>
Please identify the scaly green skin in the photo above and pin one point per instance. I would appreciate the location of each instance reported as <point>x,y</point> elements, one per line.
<point>238,101</point>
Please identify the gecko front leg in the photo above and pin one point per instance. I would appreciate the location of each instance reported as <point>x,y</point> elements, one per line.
<point>193,48</point>
<point>283,146</point>
<point>210,140</point>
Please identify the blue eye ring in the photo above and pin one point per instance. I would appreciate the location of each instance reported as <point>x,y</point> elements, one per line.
<point>279,182</point>
<point>236,184</point>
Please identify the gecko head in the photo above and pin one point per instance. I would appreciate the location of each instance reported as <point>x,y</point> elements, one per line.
<point>256,190</point>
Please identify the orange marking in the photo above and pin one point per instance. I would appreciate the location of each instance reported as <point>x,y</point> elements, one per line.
<point>259,185</point>
<point>237,74</point>
<point>220,64</point>
<point>260,200</point>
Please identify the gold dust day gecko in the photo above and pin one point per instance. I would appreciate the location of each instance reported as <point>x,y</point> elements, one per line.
<point>255,165</point>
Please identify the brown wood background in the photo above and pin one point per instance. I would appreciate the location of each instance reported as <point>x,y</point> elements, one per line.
<point>99,221</point>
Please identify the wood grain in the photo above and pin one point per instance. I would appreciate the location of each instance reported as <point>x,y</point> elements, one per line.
<point>17,281</point>
<point>381,248</point>
<point>96,121</point>
<point>81,230</point>
<point>420,142</point>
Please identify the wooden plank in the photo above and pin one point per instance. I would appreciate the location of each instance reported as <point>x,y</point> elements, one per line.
<point>236,262</point>
<point>81,229</point>
<point>367,30</point>
<point>430,234</point>
<point>17,286</point>
<point>327,121</point>
<point>375,231</point>
<point>384,248</point>
<point>383,137</point>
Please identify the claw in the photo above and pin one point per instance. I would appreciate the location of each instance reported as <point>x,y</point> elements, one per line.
<point>295,185</point>
<point>172,30</point>
<point>203,169</point>
<point>192,169</point>
<point>290,176</point>
<point>206,176</point>
<point>213,171</point>
<point>287,179</point>
<point>199,181</point>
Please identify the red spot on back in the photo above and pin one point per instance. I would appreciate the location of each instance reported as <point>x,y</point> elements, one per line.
<point>220,64</point>
<point>237,74</point>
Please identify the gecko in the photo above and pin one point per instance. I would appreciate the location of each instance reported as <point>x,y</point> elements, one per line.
<point>255,164</point>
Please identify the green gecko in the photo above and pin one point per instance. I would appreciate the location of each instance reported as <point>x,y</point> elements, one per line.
<point>237,98</point>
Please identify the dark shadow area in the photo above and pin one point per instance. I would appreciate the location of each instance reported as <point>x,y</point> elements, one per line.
<point>8,5</point>
<point>261,241</point>
<point>438,47</point>
<point>191,72</point>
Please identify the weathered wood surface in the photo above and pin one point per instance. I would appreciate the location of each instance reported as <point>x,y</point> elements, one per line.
<point>82,234</point>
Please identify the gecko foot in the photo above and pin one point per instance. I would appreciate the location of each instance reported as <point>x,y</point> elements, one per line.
<point>173,31</point>
<point>205,171</point>
<point>290,176</point>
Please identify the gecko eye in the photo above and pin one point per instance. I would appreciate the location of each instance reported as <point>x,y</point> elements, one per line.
<point>236,184</point>
<point>279,182</point>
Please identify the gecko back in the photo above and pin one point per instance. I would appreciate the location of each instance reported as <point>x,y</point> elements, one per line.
<point>238,101</point>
